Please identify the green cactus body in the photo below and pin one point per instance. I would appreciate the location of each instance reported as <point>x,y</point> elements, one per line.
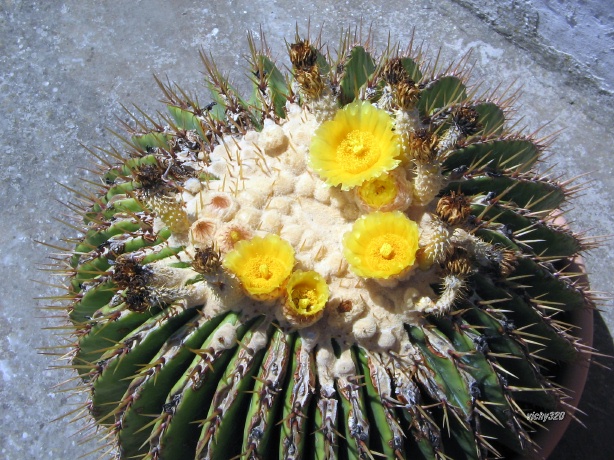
<point>359,261</point>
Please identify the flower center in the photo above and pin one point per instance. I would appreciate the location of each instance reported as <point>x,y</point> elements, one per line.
<point>235,236</point>
<point>379,192</point>
<point>358,151</point>
<point>264,271</point>
<point>386,252</point>
<point>304,298</point>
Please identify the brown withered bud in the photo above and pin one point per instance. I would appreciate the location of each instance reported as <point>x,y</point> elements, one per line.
<point>304,59</point>
<point>467,120</point>
<point>134,278</point>
<point>394,72</point>
<point>128,273</point>
<point>344,306</point>
<point>508,262</point>
<point>454,209</point>
<point>407,94</point>
<point>458,262</point>
<point>138,299</point>
<point>149,175</point>
<point>310,81</point>
<point>422,144</point>
<point>303,56</point>
<point>207,260</point>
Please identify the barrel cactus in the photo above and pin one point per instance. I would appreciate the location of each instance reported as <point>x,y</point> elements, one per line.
<point>360,260</point>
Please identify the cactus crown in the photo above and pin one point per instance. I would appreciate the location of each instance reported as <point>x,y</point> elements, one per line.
<point>357,261</point>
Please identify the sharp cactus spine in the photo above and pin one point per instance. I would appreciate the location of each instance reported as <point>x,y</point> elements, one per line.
<point>190,354</point>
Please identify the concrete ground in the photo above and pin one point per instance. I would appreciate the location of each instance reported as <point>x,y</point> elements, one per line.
<point>65,67</point>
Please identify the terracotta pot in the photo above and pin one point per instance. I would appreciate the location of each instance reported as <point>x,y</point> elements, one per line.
<point>574,376</point>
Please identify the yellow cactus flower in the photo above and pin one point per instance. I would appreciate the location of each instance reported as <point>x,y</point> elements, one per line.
<point>381,245</point>
<point>389,192</point>
<point>262,265</point>
<point>379,192</point>
<point>357,145</point>
<point>307,296</point>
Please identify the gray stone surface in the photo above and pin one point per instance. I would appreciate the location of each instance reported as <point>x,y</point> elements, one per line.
<point>576,37</point>
<point>65,67</point>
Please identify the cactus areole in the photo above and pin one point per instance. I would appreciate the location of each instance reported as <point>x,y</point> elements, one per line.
<point>358,261</point>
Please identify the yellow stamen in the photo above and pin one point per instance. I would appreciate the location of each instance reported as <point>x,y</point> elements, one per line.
<point>235,236</point>
<point>357,152</point>
<point>386,251</point>
<point>305,298</point>
<point>264,271</point>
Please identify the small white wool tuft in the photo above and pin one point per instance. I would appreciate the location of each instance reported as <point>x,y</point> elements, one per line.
<point>427,182</point>
<point>258,341</point>
<point>387,339</point>
<point>305,185</point>
<point>365,328</point>
<point>322,193</point>
<point>251,137</point>
<point>273,140</point>
<point>296,160</point>
<point>281,204</point>
<point>292,233</point>
<point>284,184</point>
<point>218,168</point>
<point>310,336</point>
<point>325,359</point>
<point>270,221</point>
<point>224,337</point>
<point>334,265</point>
<point>344,367</point>
<point>249,217</point>
<point>309,240</point>
<point>192,185</point>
